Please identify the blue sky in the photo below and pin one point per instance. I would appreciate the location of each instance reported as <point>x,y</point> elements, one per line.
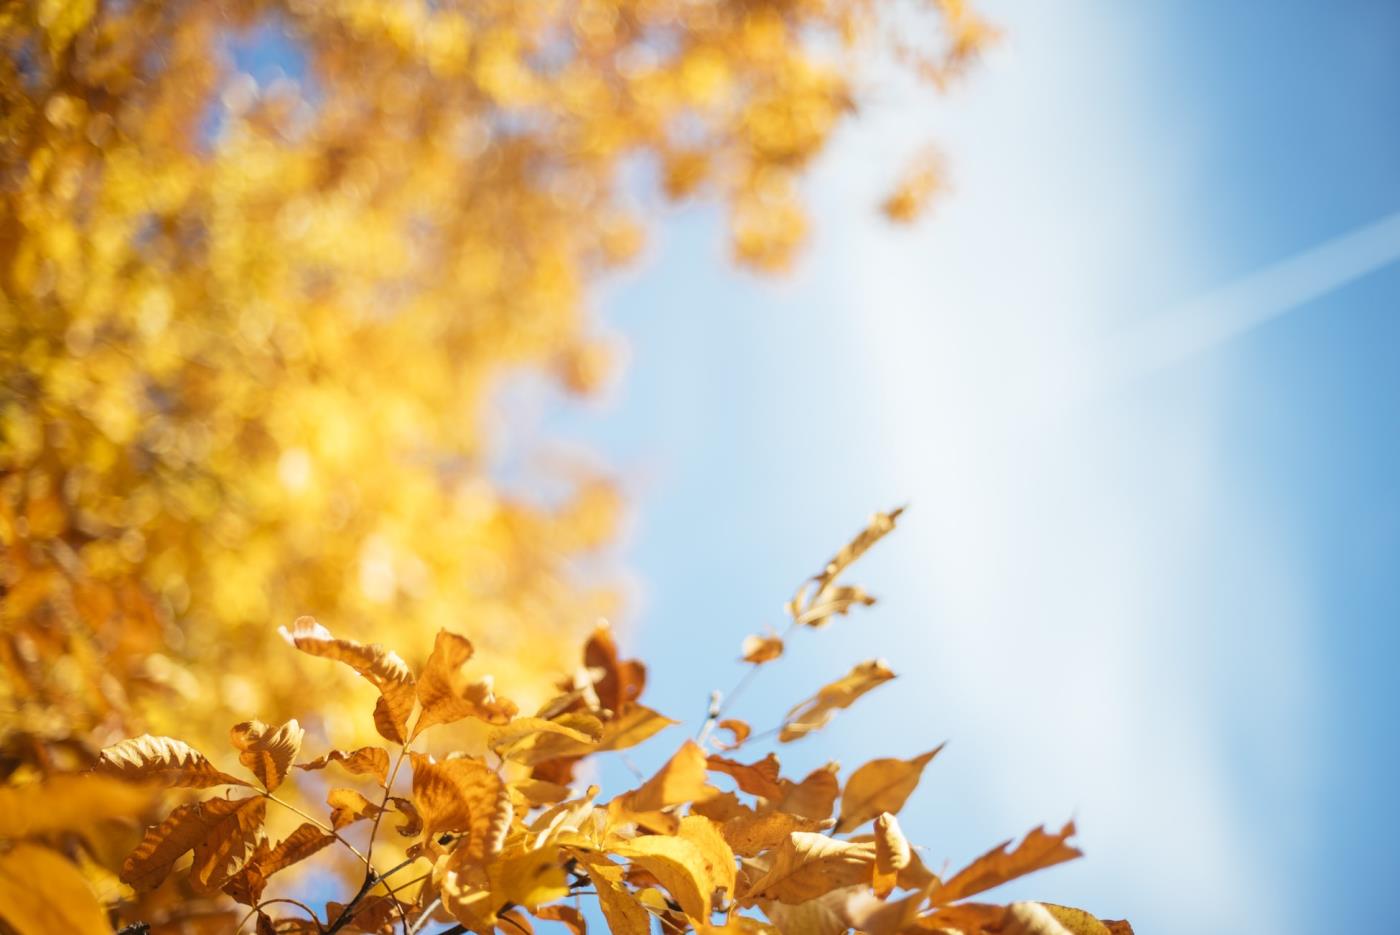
<point>1158,595</point>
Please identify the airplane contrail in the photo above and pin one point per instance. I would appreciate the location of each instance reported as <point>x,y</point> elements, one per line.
<point>1248,302</point>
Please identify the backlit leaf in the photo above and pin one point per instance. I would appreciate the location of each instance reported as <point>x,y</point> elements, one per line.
<point>267,754</point>
<point>162,760</point>
<point>219,830</point>
<point>447,696</point>
<point>816,712</point>
<point>41,893</point>
<point>461,796</point>
<point>1035,852</point>
<point>380,667</point>
<point>880,786</point>
<point>806,866</point>
<point>372,761</point>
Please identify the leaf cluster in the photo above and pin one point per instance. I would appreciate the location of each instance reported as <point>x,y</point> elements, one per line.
<point>503,833</point>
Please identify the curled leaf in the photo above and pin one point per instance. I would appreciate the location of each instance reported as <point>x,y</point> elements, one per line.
<point>820,591</point>
<point>162,760</point>
<point>461,796</point>
<point>761,649</point>
<point>739,730</point>
<point>380,667</point>
<point>816,712</point>
<point>372,761</point>
<point>348,807</point>
<point>445,694</point>
<point>267,754</point>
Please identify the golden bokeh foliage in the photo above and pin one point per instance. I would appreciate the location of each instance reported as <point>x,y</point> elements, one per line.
<point>248,325</point>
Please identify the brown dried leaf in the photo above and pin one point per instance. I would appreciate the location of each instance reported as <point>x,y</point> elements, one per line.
<point>267,754</point>
<point>163,760</point>
<point>880,786</point>
<point>881,524</point>
<point>626,730</point>
<point>739,730</point>
<point>807,866</point>
<point>620,681</point>
<point>372,761</point>
<point>413,822</point>
<point>445,694</point>
<point>219,830</point>
<point>816,712</point>
<point>761,779</point>
<point>750,835</point>
<point>567,916</point>
<point>1030,918</point>
<point>306,840</point>
<point>1035,852</point>
<point>461,796</point>
<point>380,667</point>
<point>761,649</point>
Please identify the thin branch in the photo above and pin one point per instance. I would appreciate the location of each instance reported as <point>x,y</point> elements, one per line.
<point>427,913</point>
<point>324,827</point>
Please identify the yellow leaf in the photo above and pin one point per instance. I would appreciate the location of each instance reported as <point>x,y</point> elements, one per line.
<point>626,730</point>
<point>513,740</point>
<point>807,866</point>
<point>1036,851</point>
<point>678,865</point>
<point>348,807</point>
<point>740,730</point>
<point>624,915</point>
<point>714,850</point>
<point>567,916</point>
<point>163,760</point>
<point>816,712</point>
<point>814,796</point>
<point>680,780</point>
<point>461,796</point>
<point>880,786</point>
<point>825,599</point>
<point>380,667</point>
<point>445,694</point>
<point>528,878</point>
<point>67,802</point>
<point>219,830</point>
<point>42,893</point>
<point>366,760</point>
<point>267,754</point>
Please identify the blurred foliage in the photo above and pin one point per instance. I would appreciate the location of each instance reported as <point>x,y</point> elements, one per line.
<point>261,264</point>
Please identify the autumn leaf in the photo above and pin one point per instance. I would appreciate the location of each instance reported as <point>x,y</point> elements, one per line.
<point>516,739</point>
<point>372,761</point>
<point>461,796</point>
<point>267,754</point>
<point>445,694</point>
<point>761,649</point>
<point>567,916</point>
<point>624,915</point>
<point>814,796</point>
<point>162,760</point>
<point>43,893</point>
<point>739,730</point>
<point>679,865</point>
<point>348,807</point>
<point>220,831</point>
<point>715,852</point>
<point>819,599</point>
<point>751,834</point>
<point>380,667</point>
<point>619,682</point>
<point>880,786</point>
<point>806,866</point>
<point>1036,851</point>
<point>627,730</point>
<point>527,878</point>
<point>67,803</point>
<point>306,840</point>
<point>816,712</point>
<point>761,778</point>
<point>1028,918</point>
<point>681,779</point>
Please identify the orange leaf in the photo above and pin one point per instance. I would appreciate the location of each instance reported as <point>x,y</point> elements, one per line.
<point>817,711</point>
<point>807,866</point>
<point>880,786</point>
<point>1035,852</point>
<point>366,760</point>
<point>380,667</point>
<point>461,795</point>
<point>267,754</point>
<point>760,779</point>
<point>164,760</point>
<point>445,694</point>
